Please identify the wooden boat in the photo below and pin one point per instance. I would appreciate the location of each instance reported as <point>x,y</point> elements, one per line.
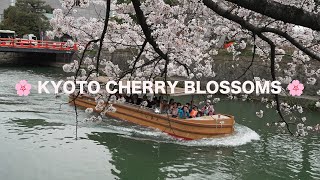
<point>189,129</point>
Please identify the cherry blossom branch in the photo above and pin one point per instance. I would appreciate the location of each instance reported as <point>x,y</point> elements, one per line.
<point>273,74</point>
<point>245,24</point>
<point>253,56</point>
<point>139,55</point>
<point>279,11</point>
<point>145,28</point>
<point>104,31</point>
<point>300,46</point>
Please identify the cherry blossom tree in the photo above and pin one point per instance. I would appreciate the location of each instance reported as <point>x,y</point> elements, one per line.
<point>170,38</point>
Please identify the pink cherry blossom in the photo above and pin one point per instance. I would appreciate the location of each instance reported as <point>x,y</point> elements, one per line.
<point>23,88</point>
<point>295,88</point>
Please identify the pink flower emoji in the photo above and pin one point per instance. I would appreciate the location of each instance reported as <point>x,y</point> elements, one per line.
<point>296,88</point>
<point>23,88</point>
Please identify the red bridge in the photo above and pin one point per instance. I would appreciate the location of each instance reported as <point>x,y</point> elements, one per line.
<point>36,46</point>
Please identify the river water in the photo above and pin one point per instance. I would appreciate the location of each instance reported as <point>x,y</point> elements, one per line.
<point>37,136</point>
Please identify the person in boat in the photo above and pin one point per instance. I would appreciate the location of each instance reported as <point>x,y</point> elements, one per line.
<point>179,105</point>
<point>164,106</point>
<point>135,99</point>
<point>207,110</point>
<point>146,101</point>
<point>126,97</point>
<point>158,102</point>
<point>174,110</point>
<point>171,101</point>
<point>153,102</point>
<point>171,104</point>
<point>118,96</point>
<point>194,112</point>
<point>184,113</point>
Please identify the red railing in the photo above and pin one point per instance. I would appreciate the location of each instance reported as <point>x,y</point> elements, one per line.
<point>37,44</point>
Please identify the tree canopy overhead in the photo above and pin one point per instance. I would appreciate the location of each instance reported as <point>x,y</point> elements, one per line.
<point>181,37</point>
<point>27,17</point>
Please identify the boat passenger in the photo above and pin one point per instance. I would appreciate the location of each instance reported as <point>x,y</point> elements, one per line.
<point>118,95</point>
<point>153,103</point>
<point>158,102</point>
<point>145,98</point>
<point>135,99</point>
<point>207,110</point>
<point>174,110</point>
<point>184,112</point>
<point>126,97</point>
<point>179,105</point>
<point>189,107</point>
<point>164,106</point>
<point>211,110</point>
<point>194,112</point>
<point>171,101</point>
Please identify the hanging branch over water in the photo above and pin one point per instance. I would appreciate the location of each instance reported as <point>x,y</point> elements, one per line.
<point>104,31</point>
<point>273,74</point>
<point>256,30</point>
<point>138,57</point>
<point>252,59</point>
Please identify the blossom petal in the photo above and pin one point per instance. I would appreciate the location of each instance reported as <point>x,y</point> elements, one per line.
<point>26,93</point>
<point>20,92</point>
<point>23,82</point>
<point>301,87</point>
<point>28,87</point>
<point>290,87</point>
<point>295,82</point>
<point>299,93</point>
<point>292,93</point>
<point>18,87</point>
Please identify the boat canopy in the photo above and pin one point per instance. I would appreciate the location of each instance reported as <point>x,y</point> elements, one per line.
<point>178,91</point>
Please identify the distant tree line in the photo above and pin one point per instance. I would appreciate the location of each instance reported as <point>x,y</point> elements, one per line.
<point>27,17</point>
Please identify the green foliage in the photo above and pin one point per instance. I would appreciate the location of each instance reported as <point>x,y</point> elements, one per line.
<point>27,17</point>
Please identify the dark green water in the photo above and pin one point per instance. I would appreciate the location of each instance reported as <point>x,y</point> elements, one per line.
<point>38,142</point>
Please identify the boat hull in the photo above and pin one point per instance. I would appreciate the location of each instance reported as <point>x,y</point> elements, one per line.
<point>195,128</point>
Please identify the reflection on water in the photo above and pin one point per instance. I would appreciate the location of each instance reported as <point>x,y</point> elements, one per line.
<point>141,159</point>
<point>38,142</point>
<point>32,123</point>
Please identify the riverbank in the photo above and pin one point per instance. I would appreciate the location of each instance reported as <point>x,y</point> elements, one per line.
<point>33,59</point>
